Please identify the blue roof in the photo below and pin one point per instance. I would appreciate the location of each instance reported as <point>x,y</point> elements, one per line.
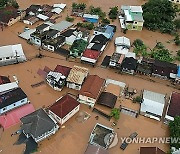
<point>178,74</point>
<point>109,30</point>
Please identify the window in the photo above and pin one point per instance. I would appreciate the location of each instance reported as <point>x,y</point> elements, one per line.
<point>22,101</point>
<point>7,57</point>
<point>0,58</point>
<point>134,27</point>
<point>135,22</point>
<point>4,108</point>
<point>38,41</point>
<point>14,104</point>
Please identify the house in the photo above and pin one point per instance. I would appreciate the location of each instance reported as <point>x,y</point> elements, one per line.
<point>64,70</point>
<point>11,54</point>
<point>4,80</point>
<point>61,6</point>
<point>93,149</point>
<point>77,12</point>
<point>173,108</point>
<point>30,20</point>
<point>102,136</point>
<point>116,60</point>
<point>10,15</point>
<point>164,69</point>
<point>145,66</point>
<point>54,43</point>
<point>38,125</point>
<point>129,65</point>
<point>90,56</point>
<point>151,150</point>
<point>33,10</point>
<point>76,77</point>
<point>133,17</point>
<point>8,87</point>
<point>12,99</point>
<point>61,26</point>
<point>64,108</point>
<point>69,36</point>
<point>56,80</point>
<point>98,42</point>
<point>40,34</point>
<point>90,18</point>
<point>152,105</point>
<point>107,31</point>
<point>122,45</point>
<point>91,89</point>
<point>78,47</point>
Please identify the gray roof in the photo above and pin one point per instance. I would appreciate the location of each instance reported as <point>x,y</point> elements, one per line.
<point>156,97</point>
<point>63,25</point>
<point>37,123</point>
<point>93,149</point>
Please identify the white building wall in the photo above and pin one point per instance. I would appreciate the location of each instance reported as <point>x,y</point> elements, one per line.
<point>14,105</point>
<point>47,134</point>
<point>73,86</point>
<point>67,117</point>
<point>86,100</point>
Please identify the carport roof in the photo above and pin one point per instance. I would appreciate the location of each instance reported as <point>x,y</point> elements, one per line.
<point>107,99</point>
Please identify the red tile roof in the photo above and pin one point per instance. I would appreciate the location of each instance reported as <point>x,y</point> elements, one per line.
<point>62,69</point>
<point>64,105</point>
<point>93,54</point>
<point>92,86</point>
<point>174,107</point>
<point>151,150</point>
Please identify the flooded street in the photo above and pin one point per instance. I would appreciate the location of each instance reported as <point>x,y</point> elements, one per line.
<point>74,137</point>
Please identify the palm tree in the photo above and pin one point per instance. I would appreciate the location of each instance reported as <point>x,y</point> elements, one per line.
<point>115,113</point>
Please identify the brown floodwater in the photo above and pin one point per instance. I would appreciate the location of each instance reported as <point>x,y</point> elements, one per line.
<point>74,137</point>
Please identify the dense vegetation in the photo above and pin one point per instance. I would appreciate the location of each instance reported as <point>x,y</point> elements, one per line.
<point>158,52</point>
<point>4,3</point>
<point>159,15</point>
<point>87,25</point>
<point>80,6</point>
<point>97,11</point>
<point>175,131</point>
<point>113,12</point>
<point>115,113</point>
<point>69,19</point>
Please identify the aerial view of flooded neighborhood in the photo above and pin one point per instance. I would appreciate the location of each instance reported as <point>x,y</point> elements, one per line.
<point>90,77</point>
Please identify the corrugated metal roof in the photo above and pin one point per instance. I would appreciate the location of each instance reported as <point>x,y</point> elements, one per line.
<point>90,16</point>
<point>153,96</point>
<point>77,75</point>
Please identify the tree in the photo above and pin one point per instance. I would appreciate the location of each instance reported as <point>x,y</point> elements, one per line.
<point>161,53</point>
<point>177,23</point>
<point>140,48</point>
<point>113,12</point>
<point>105,21</point>
<point>137,99</point>
<point>97,11</point>
<point>115,113</point>
<point>159,15</point>
<point>3,3</point>
<point>69,19</point>
<point>138,42</point>
<point>175,131</point>
<point>177,40</point>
